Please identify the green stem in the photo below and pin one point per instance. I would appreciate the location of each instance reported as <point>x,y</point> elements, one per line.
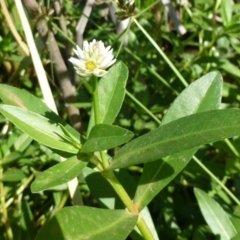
<point>104,159</point>
<point>151,70</point>
<point>95,100</point>
<point>112,179</point>
<point>217,180</point>
<point>143,107</point>
<point>97,114</point>
<point>232,148</point>
<point>164,56</point>
<point>62,203</point>
<point>144,229</point>
<point>110,176</point>
<point>147,8</point>
<point>63,34</point>
<point>96,161</point>
<point>141,224</point>
<point>20,189</point>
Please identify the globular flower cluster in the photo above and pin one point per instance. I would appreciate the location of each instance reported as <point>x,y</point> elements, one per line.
<point>93,59</point>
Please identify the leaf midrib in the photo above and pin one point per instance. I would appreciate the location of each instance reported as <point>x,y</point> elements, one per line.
<point>171,139</point>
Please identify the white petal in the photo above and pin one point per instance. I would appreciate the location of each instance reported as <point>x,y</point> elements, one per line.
<point>108,48</point>
<point>80,52</point>
<point>85,46</point>
<point>108,62</point>
<point>75,61</point>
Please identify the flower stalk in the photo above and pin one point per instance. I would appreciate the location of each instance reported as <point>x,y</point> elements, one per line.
<point>95,100</point>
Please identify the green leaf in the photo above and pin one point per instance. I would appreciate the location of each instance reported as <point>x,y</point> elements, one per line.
<point>11,157</point>
<point>107,197</point>
<point>80,222</point>
<point>59,174</point>
<point>232,30</point>
<point>26,220</point>
<point>226,11</point>
<point>23,99</point>
<point>236,218</point>
<point>237,237</point>
<point>22,142</point>
<point>198,235</point>
<point>38,127</point>
<point>179,135</point>
<point>215,216</point>
<point>13,175</point>
<point>111,92</point>
<point>104,136</point>
<point>229,67</point>
<point>205,94</point>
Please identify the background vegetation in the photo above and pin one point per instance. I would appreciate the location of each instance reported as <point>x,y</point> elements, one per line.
<point>207,39</point>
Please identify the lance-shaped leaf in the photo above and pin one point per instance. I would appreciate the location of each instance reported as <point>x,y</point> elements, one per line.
<point>215,216</point>
<point>105,195</point>
<point>59,174</point>
<point>179,135</point>
<point>237,237</point>
<point>202,95</point>
<point>80,222</point>
<point>23,99</point>
<point>11,157</point>
<point>205,94</point>
<point>226,11</point>
<point>111,92</point>
<point>235,219</point>
<point>12,175</point>
<point>104,136</point>
<point>39,128</point>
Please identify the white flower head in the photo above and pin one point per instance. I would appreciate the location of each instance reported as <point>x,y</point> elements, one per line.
<point>93,59</point>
